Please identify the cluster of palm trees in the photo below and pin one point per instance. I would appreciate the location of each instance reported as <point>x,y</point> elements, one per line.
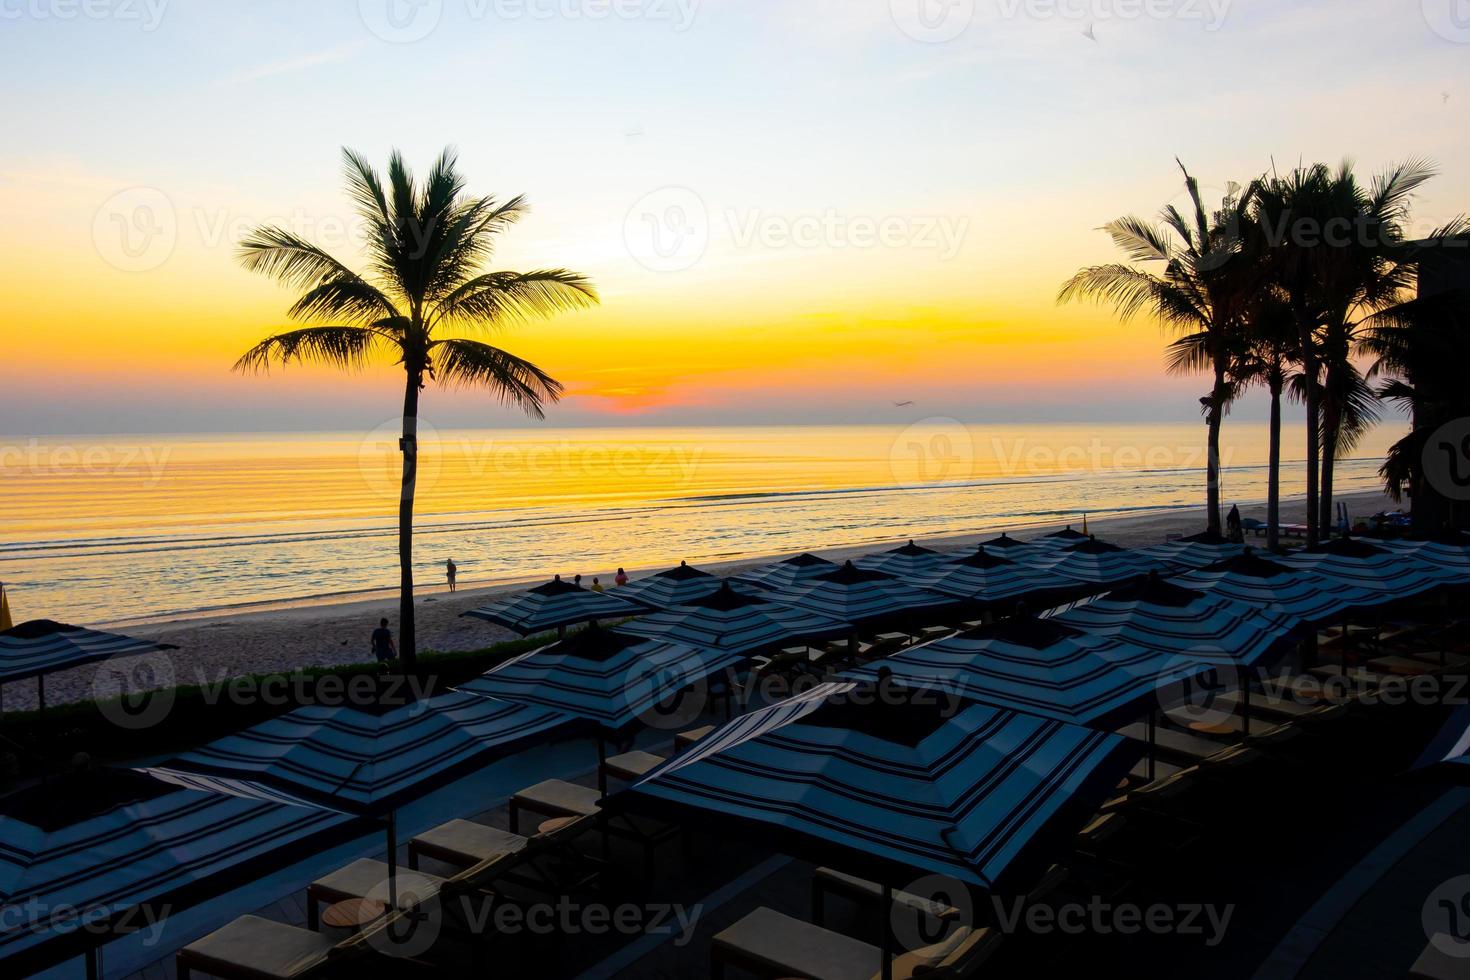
<point>1301,284</point>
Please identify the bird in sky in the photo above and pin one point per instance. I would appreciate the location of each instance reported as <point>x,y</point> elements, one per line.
<point>902,404</point>
<point>1090,34</point>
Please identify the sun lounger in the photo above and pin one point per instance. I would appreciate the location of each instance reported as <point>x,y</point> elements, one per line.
<point>683,740</point>
<point>554,798</point>
<point>828,881</point>
<point>1276,707</point>
<point>933,633</point>
<point>773,944</point>
<point>462,843</point>
<point>1192,748</point>
<point>254,948</point>
<point>368,878</point>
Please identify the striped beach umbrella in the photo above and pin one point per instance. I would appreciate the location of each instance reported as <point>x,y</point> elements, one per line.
<point>985,579</point>
<point>788,572</point>
<point>904,562</point>
<point>1042,667</point>
<point>607,677</point>
<point>1300,594</point>
<point>1063,538</point>
<point>42,647</point>
<point>1389,574</point>
<point>676,586</point>
<point>886,784</point>
<point>1449,752</point>
<point>98,847</point>
<point>862,596</point>
<point>555,606</point>
<point>1096,563</point>
<point>1013,548</point>
<point>1169,618</point>
<point>731,622</point>
<point>1449,551</point>
<point>1195,551</point>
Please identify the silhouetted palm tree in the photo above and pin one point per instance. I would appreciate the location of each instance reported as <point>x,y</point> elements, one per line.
<point>425,251</point>
<point>1267,358</point>
<point>1201,291</point>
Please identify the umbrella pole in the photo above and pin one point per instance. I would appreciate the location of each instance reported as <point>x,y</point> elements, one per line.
<point>40,692</point>
<point>886,947</point>
<point>392,861</point>
<point>1152,744</point>
<point>1245,706</point>
<point>94,964</point>
<point>601,771</point>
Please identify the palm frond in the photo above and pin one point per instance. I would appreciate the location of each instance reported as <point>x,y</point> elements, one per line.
<point>500,297</point>
<point>515,382</point>
<point>341,346</point>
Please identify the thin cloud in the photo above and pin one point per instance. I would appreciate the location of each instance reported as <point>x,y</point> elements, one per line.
<point>304,62</point>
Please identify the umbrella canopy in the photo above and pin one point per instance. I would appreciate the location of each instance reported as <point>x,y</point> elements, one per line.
<point>1170,619</point>
<point>731,622</point>
<point>1255,581</point>
<point>1449,551</point>
<point>1096,563</point>
<point>555,605</point>
<point>359,761</point>
<point>861,596</point>
<point>1013,548</point>
<point>42,647</point>
<point>1450,750</point>
<point>990,580</point>
<point>1389,574</point>
<point>677,586</point>
<point>607,677</point>
<point>890,785</point>
<point>95,845</point>
<point>1195,551</point>
<point>788,572</point>
<point>1061,539</point>
<point>1042,667</point>
<point>904,562</point>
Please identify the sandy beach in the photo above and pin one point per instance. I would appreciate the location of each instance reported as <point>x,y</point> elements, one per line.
<point>333,630</point>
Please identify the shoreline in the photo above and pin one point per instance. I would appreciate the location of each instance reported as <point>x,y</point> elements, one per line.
<point>331,630</point>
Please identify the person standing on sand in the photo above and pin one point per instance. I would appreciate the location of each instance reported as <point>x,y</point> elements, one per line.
<point>596,585</point>
<point>621,579</point>
<point>383,648</point>
<point>450,571</point>
<point>1232,524</point>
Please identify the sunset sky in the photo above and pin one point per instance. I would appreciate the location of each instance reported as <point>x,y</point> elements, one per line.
<point>868,216</point>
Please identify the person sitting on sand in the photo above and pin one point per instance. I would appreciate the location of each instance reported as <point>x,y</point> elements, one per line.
<point>621,578</point>
<point>1232,524</point>
<point>451,570</point>
<point>596,585</point>
<point>383,647</point>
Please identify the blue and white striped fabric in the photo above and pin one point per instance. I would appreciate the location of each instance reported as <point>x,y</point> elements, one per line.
<point>788,572</point>
<point>1449,552</point>
<point>1008,547</point>
<point>1450,749</point>
<point>862,597</point>
<point>97,846</point>
<point>611,678</point>
<point>1171,619</point>
<point>357,761</point>
<point>984,579</point>
<point>907,561</point>
<point>554,605</point>
<point>1196,551</point>
<point>1393,575</point>
<point>1095,563</point>
<point>677,586</point>
<point>1042,667</point>
<point>731,622</point>
<point>43,647</point>
<point>1065,538</point>
<point>1302,595</point>
<point>874,782</point>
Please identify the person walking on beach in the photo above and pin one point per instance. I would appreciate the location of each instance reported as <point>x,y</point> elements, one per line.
<point>621,578</point>
<point>1232,524</point>
<point>450,571</point>
<point>383,647</point>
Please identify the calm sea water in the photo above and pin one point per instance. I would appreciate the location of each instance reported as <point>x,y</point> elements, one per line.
<point>104,529</point>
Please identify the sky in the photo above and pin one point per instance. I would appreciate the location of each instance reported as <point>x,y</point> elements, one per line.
<point>794,210</point>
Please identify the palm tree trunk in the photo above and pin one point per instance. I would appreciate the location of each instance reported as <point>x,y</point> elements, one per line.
<point>407,647</point>
<point>1212,449</point>
<point>1314,413</point>
<point>1331,424</point>
<point>1273,472</point>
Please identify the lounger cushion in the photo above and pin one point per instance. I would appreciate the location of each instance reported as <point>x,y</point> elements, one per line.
<point>633,764</point>
<point>862,888</point>
<point>260,946</point>
<point>784,946</point>
<point>560,796</point>
<point>367,878</point>
<point>474,842</point>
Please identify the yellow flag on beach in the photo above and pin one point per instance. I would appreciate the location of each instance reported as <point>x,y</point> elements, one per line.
<point>5,620</point>
<point>1084,524</point>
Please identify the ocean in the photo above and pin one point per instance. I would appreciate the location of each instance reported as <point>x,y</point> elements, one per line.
<point>108,529</point>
